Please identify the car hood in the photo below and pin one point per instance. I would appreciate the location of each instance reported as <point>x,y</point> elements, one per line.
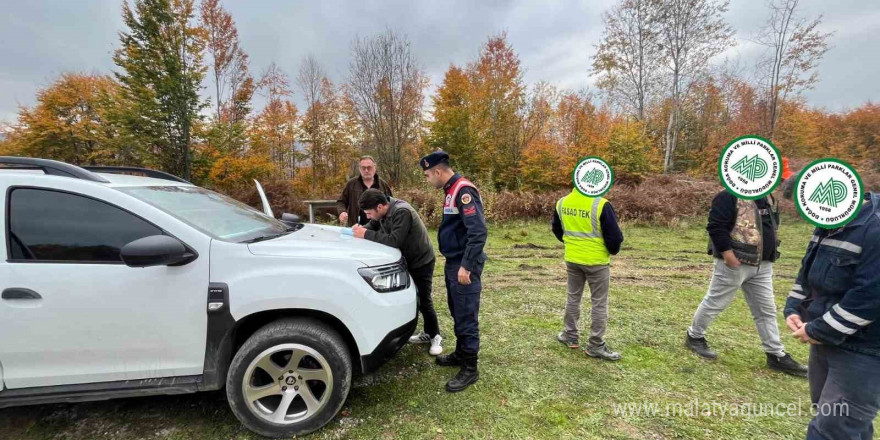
<point>319,241</point>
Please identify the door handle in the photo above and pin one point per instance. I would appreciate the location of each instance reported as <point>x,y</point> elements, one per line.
<point>20,293</point>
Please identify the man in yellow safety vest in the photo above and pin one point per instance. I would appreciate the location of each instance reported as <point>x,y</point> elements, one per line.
<point>589,229</point>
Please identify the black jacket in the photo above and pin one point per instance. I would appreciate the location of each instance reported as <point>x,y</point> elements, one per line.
<point>349,201</point>
<point>722,217</point>
<point>611,233</point>
<point>403,229</point>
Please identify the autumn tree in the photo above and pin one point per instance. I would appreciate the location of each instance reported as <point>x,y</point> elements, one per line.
<point>742,107</point>
<point>542,153</point>
<point>222,44</point>
<point>538,114</point>
<point>498,129</point>
<point>450,129</point>
<point>543,166</point>
<point>629,148</point>
<point>701,119</point>
<point>233,83</point>
<point>794,47</point>
<point>497,100</point>
<point>574,128</point>
<point>329,131</point>
<point>692,32</point>
<point>861,129</point>
<point>582,128</point>
<point>275,130</point>
<point>161,72</point>
<point>627,58</point>
<point>70,122</point>
<point>313,84</point>
<point>800,132</point>
<point>343,134</point>
<point>7,146</point>
<point>386,88</point>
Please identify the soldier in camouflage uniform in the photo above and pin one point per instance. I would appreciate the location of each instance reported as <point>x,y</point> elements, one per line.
<point>744,243</point>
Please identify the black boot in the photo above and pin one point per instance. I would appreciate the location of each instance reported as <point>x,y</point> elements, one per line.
<point>448,360</point>
<point>786,364</point>
<point>466,376</point>
<point>700,347</point>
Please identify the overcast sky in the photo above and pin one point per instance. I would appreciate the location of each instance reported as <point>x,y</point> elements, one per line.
<point>555,39</point>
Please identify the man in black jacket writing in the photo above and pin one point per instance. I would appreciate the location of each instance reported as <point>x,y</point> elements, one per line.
<point>395,223</point>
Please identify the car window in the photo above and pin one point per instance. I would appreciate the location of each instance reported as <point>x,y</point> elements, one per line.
<point>216,215</point>
<point>46,225</point>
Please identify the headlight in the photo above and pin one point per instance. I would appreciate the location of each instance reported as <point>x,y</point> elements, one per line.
<point>387,278</point>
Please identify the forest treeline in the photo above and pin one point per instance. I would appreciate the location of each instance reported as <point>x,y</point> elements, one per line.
<point>181,99</point>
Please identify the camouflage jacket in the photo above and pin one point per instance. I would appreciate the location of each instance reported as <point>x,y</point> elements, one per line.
<point>747,233</point>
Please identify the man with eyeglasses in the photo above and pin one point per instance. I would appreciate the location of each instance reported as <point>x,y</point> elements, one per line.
<point>348,204</point>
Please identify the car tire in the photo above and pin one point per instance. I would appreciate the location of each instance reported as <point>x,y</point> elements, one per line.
<point>262,378</point>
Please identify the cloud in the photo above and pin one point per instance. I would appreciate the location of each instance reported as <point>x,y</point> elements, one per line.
<point>554,39</point>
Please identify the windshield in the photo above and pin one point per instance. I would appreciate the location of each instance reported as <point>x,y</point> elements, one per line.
<point>217,215</point>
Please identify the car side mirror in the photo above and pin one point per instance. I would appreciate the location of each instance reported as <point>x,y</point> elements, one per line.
<point>290,219</point>
<point>157,250</point>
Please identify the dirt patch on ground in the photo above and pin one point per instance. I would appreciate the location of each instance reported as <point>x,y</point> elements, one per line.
<point>626,278</point>
<point>529,246</point>
<point>529,267</point>
<point>671,258</point>
<point>693,267</point>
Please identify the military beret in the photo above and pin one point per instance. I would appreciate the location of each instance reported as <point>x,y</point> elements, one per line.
<point>433,159</point>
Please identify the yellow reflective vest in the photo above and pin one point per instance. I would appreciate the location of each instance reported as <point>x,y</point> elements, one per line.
<point>582,231</point>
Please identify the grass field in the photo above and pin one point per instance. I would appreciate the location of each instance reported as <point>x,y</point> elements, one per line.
<point>531,386</point>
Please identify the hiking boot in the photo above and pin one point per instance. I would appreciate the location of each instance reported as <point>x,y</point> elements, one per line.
<point>700,347</point>
<point>786,364</point>
<point>448,360</point>
<point>421,338</point>
<point>436,346</point>
<point>568,342</point>
<point>465,377</point>
<point>602,352</point>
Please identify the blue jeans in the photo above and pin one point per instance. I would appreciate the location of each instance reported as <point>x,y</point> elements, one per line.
<point>845,386</point>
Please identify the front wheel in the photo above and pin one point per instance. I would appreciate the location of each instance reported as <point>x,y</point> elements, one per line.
<point>291,377</point>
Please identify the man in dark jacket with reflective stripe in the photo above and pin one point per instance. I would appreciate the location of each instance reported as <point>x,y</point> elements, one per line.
<point>833,305</point>
<point>461,237</point>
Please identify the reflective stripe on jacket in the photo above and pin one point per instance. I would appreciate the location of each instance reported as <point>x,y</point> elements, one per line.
<point>582,230</point>
<point>837,291</point>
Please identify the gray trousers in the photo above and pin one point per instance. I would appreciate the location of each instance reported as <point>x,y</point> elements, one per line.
<point>757,284</point>
<point>599,278</point>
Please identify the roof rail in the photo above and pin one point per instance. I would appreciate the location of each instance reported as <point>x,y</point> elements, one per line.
<point>51,167</point>
<point>134,171</point>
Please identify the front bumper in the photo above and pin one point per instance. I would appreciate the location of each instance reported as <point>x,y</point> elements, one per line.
<point>390,345</point>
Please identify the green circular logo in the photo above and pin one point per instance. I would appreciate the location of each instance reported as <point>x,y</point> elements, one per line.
<point>593,176</point>
<point>828,193</point>
<point>750,167</point>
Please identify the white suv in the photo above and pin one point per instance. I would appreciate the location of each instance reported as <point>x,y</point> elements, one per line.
<point>117,285</point>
